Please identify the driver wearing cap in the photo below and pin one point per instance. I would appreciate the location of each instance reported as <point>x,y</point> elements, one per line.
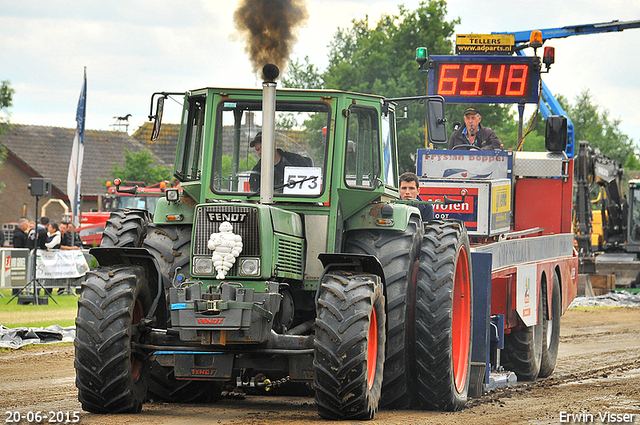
<point>473,134</point>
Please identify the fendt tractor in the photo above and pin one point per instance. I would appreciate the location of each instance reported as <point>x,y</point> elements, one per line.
<point>280,277</point>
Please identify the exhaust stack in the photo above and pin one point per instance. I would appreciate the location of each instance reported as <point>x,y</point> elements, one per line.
<point>270,73</point>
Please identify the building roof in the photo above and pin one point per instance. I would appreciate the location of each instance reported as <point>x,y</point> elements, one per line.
<point>47,151</point>
<point>165,146</point>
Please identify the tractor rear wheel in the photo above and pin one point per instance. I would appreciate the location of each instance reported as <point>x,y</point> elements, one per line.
<point>444,317</point>
<point>125,228</point>
<point>398,252</point>
<point>349,345</point>
<point>522,352</point>
<point>551,330</point>
<point>111,375</point>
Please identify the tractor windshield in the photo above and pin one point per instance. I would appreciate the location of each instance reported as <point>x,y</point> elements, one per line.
<point>300,148</point>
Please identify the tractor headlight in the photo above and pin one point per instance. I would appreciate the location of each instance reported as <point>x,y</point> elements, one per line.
<point>172,195</point>
<point>249,267</point>
<point>203,266</point>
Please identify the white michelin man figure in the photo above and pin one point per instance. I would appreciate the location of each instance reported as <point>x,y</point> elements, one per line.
<point>226,246</point>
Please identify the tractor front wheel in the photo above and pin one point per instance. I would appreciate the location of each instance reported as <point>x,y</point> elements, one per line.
<point>111,374</point>
<point>349,346</point>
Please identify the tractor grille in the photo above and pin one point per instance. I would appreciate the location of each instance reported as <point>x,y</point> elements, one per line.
<point>244,221</point>
<point>290,253</point>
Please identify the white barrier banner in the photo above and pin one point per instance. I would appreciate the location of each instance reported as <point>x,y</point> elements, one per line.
<point>60,264</point>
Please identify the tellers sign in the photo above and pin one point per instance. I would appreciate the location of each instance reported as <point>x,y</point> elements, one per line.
<point>485,79</point>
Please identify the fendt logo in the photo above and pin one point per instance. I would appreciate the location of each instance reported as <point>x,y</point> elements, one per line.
<point>230,217</point>
<point>217,321</point>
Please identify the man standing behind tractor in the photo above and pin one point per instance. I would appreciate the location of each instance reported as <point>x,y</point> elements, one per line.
<point>409,184</point>
<point>473,134</point>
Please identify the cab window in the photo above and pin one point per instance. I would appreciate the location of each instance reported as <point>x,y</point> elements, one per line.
<point>362,156</point>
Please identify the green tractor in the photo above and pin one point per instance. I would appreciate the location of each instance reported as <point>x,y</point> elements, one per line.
<point>301,271</point>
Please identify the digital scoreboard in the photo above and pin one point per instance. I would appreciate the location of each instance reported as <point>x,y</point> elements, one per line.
<point>485,79</point>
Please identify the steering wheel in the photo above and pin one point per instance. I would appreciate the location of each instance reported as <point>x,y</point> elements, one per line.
<point>466,147</point>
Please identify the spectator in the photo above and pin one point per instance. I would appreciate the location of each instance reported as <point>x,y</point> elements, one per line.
<point>67,234</point>
<point>53,237</point>
<point>20,236</point>
<point>41,230</point>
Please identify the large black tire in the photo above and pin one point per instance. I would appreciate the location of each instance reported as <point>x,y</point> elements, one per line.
<point>349,346</point>
<point>522,352</point>
<point>170,245</point>
<point>125,228</point>
<point>398,253</point>
<point>111,376</point>
<point>551,330</point>
<point>444,317</point>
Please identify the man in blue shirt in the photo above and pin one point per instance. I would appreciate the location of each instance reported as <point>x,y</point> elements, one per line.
<point>409,185</point>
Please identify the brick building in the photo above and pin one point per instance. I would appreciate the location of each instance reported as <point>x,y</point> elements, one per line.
<point>38,151</point>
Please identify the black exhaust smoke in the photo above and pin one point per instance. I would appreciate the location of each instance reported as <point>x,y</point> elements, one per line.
<point>269,29</point>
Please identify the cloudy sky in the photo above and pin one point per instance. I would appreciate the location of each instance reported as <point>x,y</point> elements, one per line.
<point>133,48</point>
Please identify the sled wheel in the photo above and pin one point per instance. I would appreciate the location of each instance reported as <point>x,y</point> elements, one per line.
<point>349,346</point>
<point>551,329</point>
<point>111,374</point>
<point>522,352</point>
<point>444,317</point>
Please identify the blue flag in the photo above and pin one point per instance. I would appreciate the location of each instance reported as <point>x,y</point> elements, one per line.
<point>74,178</point>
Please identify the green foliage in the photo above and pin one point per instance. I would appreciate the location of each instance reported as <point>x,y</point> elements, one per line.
<point>382,61</point>
<point>592,124</point>
<point>138,167</point>
<point>6,100</point>
<point>244,164</point>
<point>302,76</point>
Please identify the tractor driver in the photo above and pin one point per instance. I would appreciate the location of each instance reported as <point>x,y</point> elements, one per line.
<point>472,133</point>
<point>281,160</point>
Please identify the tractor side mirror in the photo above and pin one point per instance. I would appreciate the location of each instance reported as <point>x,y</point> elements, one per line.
<point>436,121</point>
<point>555,138</point>
<point>157,118</point>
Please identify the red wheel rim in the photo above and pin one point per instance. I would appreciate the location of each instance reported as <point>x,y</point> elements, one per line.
<point>136,364</point>
<point>372,349</point>
<point>461,327</point>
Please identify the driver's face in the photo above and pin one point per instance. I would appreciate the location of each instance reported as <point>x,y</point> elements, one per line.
<point>408,190</point>
<point>472,121</point>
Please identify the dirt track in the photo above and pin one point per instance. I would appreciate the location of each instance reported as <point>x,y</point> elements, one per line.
<point>598,372</point>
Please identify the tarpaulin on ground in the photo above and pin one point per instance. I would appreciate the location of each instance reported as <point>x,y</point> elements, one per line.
<point>18,337</point>
<point>612,299</point>
<point>59,264</point>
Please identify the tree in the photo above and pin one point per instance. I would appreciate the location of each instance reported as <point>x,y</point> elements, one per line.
<point>302,76</point>
<point>382,61</point>
<point>6,100</point>
<point>592,124</point>
<point>138,167</point>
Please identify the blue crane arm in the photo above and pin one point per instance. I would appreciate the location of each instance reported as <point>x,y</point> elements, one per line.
<point>569,30</point>
<point>550,105</point>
